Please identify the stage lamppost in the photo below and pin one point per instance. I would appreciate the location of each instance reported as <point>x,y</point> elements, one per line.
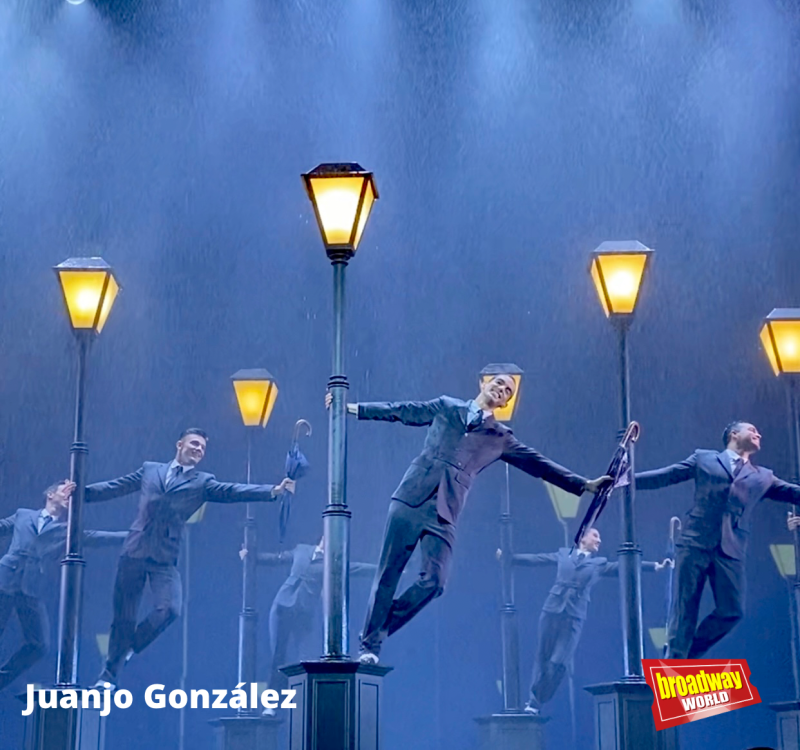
<point>509,629</point>
<point>780,337</point>
<point>89,289</point>
<point>617,269</point>
<point>336,704</point>
<point>256,392</point>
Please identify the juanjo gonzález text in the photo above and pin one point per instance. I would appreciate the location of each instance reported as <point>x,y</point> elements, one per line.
<point>156,697</point>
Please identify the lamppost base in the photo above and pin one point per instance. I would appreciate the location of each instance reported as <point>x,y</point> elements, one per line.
<point>338,705</point>
<point>623,718</point>
<point>247,732</point>
<point>63,728</point>
<point>788,724</point>
<point>517,731</point>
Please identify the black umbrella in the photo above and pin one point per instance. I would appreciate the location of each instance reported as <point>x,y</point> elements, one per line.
<point>296,467</point>
<point>619,471</point>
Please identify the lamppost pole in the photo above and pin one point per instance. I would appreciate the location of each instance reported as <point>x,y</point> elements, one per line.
<point>336,516</point>
<point>629,553</point>
<point>248,616</point>
<point>71,590</point>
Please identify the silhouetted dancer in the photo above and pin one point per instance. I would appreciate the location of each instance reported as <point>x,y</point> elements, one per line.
<point>565,610</point>
<point>170,494</point>
<point>38,537</point>
<point>713,542</point>
<point>462,440</point>
<point>291,616</point>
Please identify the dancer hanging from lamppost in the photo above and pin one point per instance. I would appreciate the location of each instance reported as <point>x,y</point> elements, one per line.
<point>291,616</point>
<point>713,542</point>
<point>565,609</point>
<point>463,438</point>
<point>170,494</point>
<point>38,537</point>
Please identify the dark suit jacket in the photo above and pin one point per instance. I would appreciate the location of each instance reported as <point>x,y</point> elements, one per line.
<point>21,568</point>
<point>158,529</point>
<point>571,593</point>
<point>722,507</point>
<point>453,455</point>
<point>301,591</point>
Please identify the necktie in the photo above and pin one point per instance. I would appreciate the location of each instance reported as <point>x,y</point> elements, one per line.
<point>738,463</point>
<point>176,472</point>
<point>475,420</point>
<point>43,520</point>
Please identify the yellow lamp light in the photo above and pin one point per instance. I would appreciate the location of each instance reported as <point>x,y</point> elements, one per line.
<point>783,555</point>
<point>617,271</point>
<point>89,289</point>
<point>780,336</point>
<point>342,196</point>
<point>256,393</point>
<point>505,413</point>
<point>565,504</point>
<point>102,644</point>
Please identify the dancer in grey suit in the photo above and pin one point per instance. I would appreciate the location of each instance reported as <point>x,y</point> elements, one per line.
<point>463,439</point>
<point>170,495</point>
<point>38,537</point>
<point>565,610</point>
<point>713,543</point>
<point>291,616</point>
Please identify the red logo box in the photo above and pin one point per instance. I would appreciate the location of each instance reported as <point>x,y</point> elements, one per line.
<point>691,689</point>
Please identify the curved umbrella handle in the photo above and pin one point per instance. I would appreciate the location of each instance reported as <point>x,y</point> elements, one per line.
<point>674,523</point>
<point>300,423</point>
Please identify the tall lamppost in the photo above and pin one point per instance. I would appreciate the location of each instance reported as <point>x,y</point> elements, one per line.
<point>617,269</point>
<point>512,727</point>
<point>509,627</point>
<point>780,337</point>
<point>89,289</point>
<point>338,709</point>
<point>256,392</point>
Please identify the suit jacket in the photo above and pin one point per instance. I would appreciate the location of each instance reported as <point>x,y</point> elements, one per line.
<point>301,591</point>
<point>571,593</point>
<point>722,507</point>
<point>454,455</point>
<point>157,531</point>
<point>22,567</point>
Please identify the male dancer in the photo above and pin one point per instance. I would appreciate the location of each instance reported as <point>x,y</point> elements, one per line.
<point>565,609</point>
<point>291,616</point>
<point>170,495</point>
<point>713,543</point>
<point>38,537</point>
<point>462,440</point>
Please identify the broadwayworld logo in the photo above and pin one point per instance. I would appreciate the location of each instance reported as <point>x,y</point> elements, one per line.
<point>690,689</point>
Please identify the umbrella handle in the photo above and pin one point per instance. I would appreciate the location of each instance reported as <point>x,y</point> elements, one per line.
<point>674,523</point>
<point>299,424</point>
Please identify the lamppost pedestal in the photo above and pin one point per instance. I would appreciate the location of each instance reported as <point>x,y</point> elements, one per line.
<point>63,728</point>
<point>787,715</point>
<point>338,705</point>
<point>624,718</point>
<point>511,731</point>
<point>247,732</point>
